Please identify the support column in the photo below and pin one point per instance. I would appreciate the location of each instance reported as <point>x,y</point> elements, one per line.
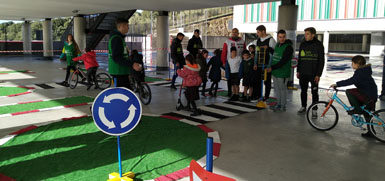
<point>27,38</point>
<point>80,31</point>
<point>47,39</point>
<point>162,41</point>
<point>326,49</point>
<point>364,43</point>
<point>319,37</point>
<point>287,20</point>
<point>377,43</point>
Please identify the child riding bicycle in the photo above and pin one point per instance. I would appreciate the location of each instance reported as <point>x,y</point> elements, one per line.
<point>91,65</point>
<point>366,91</point>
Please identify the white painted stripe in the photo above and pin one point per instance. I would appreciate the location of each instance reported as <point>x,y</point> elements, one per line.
<point>168,85</point>
<point>5,115</point>
<point>51,108</point>
<point>215,136</point>
<point>5,139</point>
<point>189,122</point>
<point>202,117</point>
<point>218,111</point>
<point>236,107</point>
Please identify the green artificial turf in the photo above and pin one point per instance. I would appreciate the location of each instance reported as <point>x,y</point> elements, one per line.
<point>44,104</point>
<point>152,79</point>
<point>13,71</point>
<point>77,150</point>
<point>6,91</point>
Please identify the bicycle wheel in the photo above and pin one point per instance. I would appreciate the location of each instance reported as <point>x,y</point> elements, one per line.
<point>321,117</point>
<point>145,94</point>
<point>377,126</point>
<point>103,80</point>
<point>73,80</point>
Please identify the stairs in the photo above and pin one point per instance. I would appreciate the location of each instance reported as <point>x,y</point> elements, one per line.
<point>98,25</point>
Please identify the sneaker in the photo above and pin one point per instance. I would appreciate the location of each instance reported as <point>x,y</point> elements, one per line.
<point>210,93</point>
<point>244,99</point>
<point>367,135</point>
<point>232,98</point>
<point>195,113</point>
<point>314,114</point>
<point>279,109</point>
<point>248,99</point>
<point>302,110</point>
<point>354,111</point>
<point>173,87</point>
<point>236,98</point>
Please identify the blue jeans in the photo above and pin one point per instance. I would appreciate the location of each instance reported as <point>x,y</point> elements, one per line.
<point>175,74</point>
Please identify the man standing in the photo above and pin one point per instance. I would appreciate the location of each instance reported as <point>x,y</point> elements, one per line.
<point>382,96</point>
<point>119,63</point>
<point>265,45</point>
<point>194,44</point>
<point>239,44</point>
<point>281,69</point>
<point>177,56</point>
<point>311,63</point>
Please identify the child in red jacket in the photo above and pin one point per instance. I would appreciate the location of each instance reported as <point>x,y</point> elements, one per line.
<point>91,65</point>
<point>191,80</point>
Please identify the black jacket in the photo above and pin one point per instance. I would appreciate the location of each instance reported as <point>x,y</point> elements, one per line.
<point>215,71</point>
<point>311,58</point>
<point>363,80</point>
<point>194,44</point>
<point>177,52</point>
<point>117,49</point>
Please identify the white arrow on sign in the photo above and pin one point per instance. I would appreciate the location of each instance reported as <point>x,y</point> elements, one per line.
<point>107,99</point>
<point>130,117</point>
<point>104,120</point>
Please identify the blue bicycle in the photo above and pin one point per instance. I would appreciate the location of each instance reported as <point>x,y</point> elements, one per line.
<point>323,116</point>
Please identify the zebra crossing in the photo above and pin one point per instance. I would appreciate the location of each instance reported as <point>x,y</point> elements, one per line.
<point>51,85</point>
<point>213,112</point>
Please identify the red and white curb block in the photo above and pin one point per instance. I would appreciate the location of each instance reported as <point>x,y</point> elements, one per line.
<point>30,90</point>
<point>45,109</point>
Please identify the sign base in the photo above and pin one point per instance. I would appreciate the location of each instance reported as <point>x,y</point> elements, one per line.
<point>128,176</point>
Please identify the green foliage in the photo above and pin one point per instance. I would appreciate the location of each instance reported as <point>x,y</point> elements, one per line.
<point>14,30</point>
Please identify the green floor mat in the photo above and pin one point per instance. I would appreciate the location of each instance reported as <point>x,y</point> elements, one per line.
<point>77,150</point>
<point>44,104</point>
<point>152,79</point>
<point>6,91</point>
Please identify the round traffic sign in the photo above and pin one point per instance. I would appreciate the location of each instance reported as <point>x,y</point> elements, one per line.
<point>116,111</point>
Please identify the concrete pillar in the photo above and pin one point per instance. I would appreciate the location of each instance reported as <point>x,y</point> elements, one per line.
<point>80,32</point>
<point>287,20</point>
<point>162,41</point>
<point>377,43</point>
<point>364,43</point>
<point>47,39</point>
<point>326,49</point>
<point>27,38</point>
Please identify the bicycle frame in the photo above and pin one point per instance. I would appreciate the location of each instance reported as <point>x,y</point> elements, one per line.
<point>347,108</point>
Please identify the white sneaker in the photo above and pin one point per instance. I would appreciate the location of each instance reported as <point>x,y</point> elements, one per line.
<point>314,114</point>
<point>302,110</point>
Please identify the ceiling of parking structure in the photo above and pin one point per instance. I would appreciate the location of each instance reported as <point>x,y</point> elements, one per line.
<point>40,9</point>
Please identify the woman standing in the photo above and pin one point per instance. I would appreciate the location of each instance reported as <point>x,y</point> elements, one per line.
<point>70,51</point>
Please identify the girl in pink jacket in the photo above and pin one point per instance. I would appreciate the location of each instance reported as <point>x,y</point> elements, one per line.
<point>192,81</point>
<point>89,59</point>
